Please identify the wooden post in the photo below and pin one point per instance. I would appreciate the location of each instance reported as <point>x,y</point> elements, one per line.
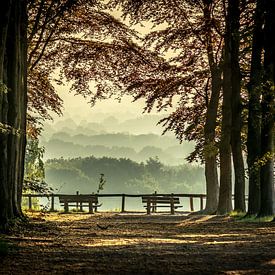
<point>172,204</point>
<point>154,205</point>
<point>30,202</point>
<point>77,203</point>
<point>148,206</point>
<point>66,206</point>
<point>201,204</point>
<point>81,208</point>
<point>96,202</point>
<point>91,210</point>
<point>123,203</point>
<point>52,203</point>
<point>191,204</point>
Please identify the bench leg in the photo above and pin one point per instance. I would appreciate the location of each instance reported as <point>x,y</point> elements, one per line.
<point>91,210</point>
<point>154,207</point>
<point>172,206</point>
<point>148,207</point>
<point>172,209</point>
<point>66,207</point>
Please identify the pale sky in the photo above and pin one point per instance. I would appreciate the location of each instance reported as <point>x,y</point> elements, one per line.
<point>78,107</point>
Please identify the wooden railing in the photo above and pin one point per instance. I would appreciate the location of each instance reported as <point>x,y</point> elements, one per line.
<point>52,197</point>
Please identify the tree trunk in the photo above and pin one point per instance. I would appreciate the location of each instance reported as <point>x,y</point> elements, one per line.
<point>13,113</point>
<point>225,196</point>
<point>211,173</point>
<point>267,129</point>
<point>254,113</point>
<point>4,22</point>
<point>236,142</point>
<point>210,148</point>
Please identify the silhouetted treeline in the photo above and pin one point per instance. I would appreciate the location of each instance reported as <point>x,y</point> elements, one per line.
<point>122,175</point>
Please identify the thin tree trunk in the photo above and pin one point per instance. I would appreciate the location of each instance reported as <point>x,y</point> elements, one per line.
<point>211,173</point>
<point>236,142</point>
<point>254,113</point>
<point>225,195</point>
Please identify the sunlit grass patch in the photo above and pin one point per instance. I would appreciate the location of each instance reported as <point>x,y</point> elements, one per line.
<point>237,214</point>
<point>254,218</point>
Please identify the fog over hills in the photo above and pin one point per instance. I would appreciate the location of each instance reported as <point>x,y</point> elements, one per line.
<point>136,138</point>
<point>111,128</point>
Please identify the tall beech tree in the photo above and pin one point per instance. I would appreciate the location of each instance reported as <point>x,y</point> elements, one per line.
<point>254,109</point>
<point>236,107</point>
<point>195,29</point>
<point>231,117</point>
<point>261,113</point>
<point>267,200</point>
<point>225,196</point>
<point>13,107</point>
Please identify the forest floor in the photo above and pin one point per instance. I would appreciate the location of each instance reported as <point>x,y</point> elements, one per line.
<point>112,243</point>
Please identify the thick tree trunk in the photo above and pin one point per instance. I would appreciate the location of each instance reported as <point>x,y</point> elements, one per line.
<point>267,129</point>
<point>13,110</point>
<point>236,142</point>
<point>254,113</point>
<point>4,198</point>
<point>225,196</point>
<point>23,104</point>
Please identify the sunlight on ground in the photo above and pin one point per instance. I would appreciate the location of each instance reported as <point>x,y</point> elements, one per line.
<point>139,241</point>
<point>196,219</point>
<point>210,235</point>
<point>228,242</point>
<point>78,243</point>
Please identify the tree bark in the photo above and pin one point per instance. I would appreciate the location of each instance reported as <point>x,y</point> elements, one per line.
<point>254,113</point>
<point>13,110</point>
<point>211,173</point>
<point>267,129</point>
<point>4,22</point>
<point>236,142</point>
<point>225,195</point>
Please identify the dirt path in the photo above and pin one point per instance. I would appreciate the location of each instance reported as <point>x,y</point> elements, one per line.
<point>140,244</point>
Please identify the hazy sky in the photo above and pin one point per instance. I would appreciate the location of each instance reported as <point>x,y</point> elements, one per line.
<point>78,108</point>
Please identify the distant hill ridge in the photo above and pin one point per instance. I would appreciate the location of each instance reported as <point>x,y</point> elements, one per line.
<point>135,147</point>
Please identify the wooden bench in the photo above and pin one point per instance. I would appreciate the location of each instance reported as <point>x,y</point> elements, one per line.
<point>90,201</point>
<point>154,201</point>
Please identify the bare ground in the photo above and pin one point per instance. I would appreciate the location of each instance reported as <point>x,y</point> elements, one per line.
<point>109,243</point>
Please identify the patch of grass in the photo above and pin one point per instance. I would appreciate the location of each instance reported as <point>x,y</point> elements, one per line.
<point>237,215</point>
<point>254,218</point>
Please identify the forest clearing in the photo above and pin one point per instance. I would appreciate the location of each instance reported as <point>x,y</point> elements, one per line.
<point>112,243</point>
